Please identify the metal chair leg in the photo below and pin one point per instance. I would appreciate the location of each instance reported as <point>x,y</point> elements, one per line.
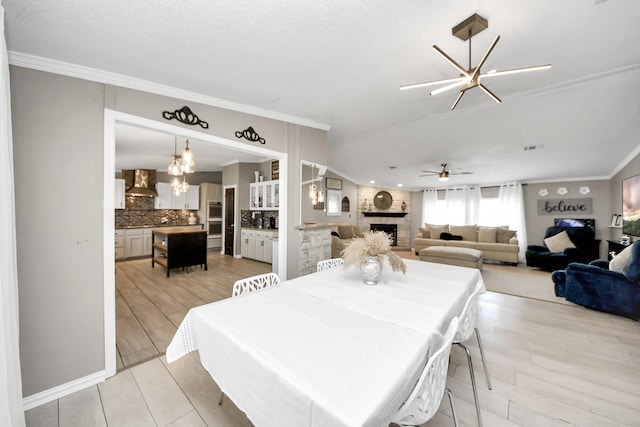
<point>473,382</point>
<point>221,397</point>
<point>453,408</point>
<point>486,371</point>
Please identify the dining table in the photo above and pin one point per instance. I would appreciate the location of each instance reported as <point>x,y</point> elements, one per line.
<point>325,349</point>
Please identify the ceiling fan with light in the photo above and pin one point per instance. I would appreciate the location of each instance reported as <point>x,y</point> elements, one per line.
<point>443,175</point>
<point>471,77</point>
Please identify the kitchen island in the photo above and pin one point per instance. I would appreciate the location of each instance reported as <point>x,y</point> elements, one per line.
<point>179,247</point>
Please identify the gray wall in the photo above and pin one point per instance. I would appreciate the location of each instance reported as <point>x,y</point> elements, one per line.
<point>600,195</point>
<point>58,158</point>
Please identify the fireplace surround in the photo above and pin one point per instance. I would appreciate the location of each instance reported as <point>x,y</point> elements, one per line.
<point>390,229</point>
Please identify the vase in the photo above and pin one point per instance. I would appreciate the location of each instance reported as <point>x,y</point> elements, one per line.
<point>370,270</point>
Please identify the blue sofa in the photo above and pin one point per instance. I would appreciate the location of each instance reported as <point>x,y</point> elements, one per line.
<point>594,286</point>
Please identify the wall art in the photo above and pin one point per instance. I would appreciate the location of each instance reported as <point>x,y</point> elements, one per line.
<point>186,116</point>
<point>250,135</point>
<point>568,206</point>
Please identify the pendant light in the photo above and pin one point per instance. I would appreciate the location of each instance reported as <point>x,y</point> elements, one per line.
<point>174,168</point>
<point>188,162</point>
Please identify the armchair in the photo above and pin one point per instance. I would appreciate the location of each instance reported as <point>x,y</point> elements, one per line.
<point>587,248</point>
<point>594,286</point>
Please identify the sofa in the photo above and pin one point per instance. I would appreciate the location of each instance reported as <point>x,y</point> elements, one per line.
<point>611,287</point>
<point>495,243</point>
<point>563,245</point>
<point>341,236</point>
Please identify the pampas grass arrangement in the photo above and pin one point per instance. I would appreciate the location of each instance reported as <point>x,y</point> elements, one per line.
<point>373,244</point>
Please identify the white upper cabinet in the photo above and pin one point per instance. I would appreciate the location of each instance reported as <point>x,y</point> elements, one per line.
<point>118,194</point>
<point>264,195</point>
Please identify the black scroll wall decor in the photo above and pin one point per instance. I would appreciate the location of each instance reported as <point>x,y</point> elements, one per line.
<point>186,116</point>
<point>250,135</point>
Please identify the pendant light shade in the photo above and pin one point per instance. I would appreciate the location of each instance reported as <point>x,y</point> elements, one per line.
<point>188,162</point>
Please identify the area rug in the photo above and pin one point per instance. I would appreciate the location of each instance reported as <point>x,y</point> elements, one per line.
<point>519,281</point>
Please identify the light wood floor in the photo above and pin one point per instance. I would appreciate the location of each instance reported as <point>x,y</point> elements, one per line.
<point>550,364</point>
<point>150,305</point>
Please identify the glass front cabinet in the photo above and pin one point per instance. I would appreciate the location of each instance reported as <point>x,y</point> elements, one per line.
<point>264,195</point>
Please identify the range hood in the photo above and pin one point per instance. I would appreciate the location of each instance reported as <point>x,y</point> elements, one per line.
<point>140,182</point>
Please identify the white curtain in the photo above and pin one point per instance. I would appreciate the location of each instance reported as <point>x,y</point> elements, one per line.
<point>462,205</point>
<point>11,409</point>
<point>512,208</point>
<point>429,207</point>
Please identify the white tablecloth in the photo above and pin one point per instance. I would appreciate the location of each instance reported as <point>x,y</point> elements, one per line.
<point>326,349</point>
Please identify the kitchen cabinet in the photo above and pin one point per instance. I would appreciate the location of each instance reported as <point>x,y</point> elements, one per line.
<point>167,199</point>
<point>257,244</point>
<point>133,243</point>
<point>210,192</point>
<point>192,198</point>
<point>264,195</point>
<point>118,194</point>
<point>164,199</point>
<point>119,243</point>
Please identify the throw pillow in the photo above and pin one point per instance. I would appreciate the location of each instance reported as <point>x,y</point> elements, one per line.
<point>424,232</point>
<point>358,231</point>
<point>334,233</point>
<point>436,231</point>
<point>620,261</point>
<point>503,234</point>
<point>445,226</point>
<point>346,231</point>
<point>487,234</point>
<point>559,242</point>
<point>468,232</point>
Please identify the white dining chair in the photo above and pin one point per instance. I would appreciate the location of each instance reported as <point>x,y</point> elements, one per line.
<point>326,264</point>
<point>254,283</point>
<point>465,330</point>
<point>424,401</point>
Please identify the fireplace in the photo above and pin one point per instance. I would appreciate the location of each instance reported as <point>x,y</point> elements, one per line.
<point>390,229</point>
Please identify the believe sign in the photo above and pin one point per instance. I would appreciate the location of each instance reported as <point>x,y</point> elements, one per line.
<point>565,206</point>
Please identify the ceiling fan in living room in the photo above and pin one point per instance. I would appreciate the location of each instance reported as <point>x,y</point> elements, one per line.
<point>471,77</point>
<point>443,175</point>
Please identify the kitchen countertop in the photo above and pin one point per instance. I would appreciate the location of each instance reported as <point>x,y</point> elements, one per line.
<point>260,229</point>
<point>159,226</point>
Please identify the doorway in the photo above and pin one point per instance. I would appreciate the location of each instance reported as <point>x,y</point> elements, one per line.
<point>229,220</point>
<point>111,120</point>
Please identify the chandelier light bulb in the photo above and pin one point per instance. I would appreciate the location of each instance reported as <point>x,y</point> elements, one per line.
<point>188,161</point>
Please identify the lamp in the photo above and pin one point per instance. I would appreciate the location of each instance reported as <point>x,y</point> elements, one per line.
<point>315,195</point>
<point>188,162</point>
<point>443,176</point>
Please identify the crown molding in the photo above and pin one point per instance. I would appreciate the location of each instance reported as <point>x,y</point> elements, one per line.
<point>106,77</point>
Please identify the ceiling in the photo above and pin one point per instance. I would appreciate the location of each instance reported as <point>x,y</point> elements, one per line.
<point>341,63</point>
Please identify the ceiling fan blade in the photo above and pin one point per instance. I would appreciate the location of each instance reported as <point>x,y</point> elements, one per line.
<point>451,61</point>
<point>433,83</point>
<point>515,71</point>
<point>431,174</point>
<point>448,87</point>
<point>488,92</point>
<point>458,99</point>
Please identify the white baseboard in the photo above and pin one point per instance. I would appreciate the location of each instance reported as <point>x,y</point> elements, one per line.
<point>47,396</point>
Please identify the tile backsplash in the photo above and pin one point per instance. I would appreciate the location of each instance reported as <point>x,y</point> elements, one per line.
<point>139,212</point>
